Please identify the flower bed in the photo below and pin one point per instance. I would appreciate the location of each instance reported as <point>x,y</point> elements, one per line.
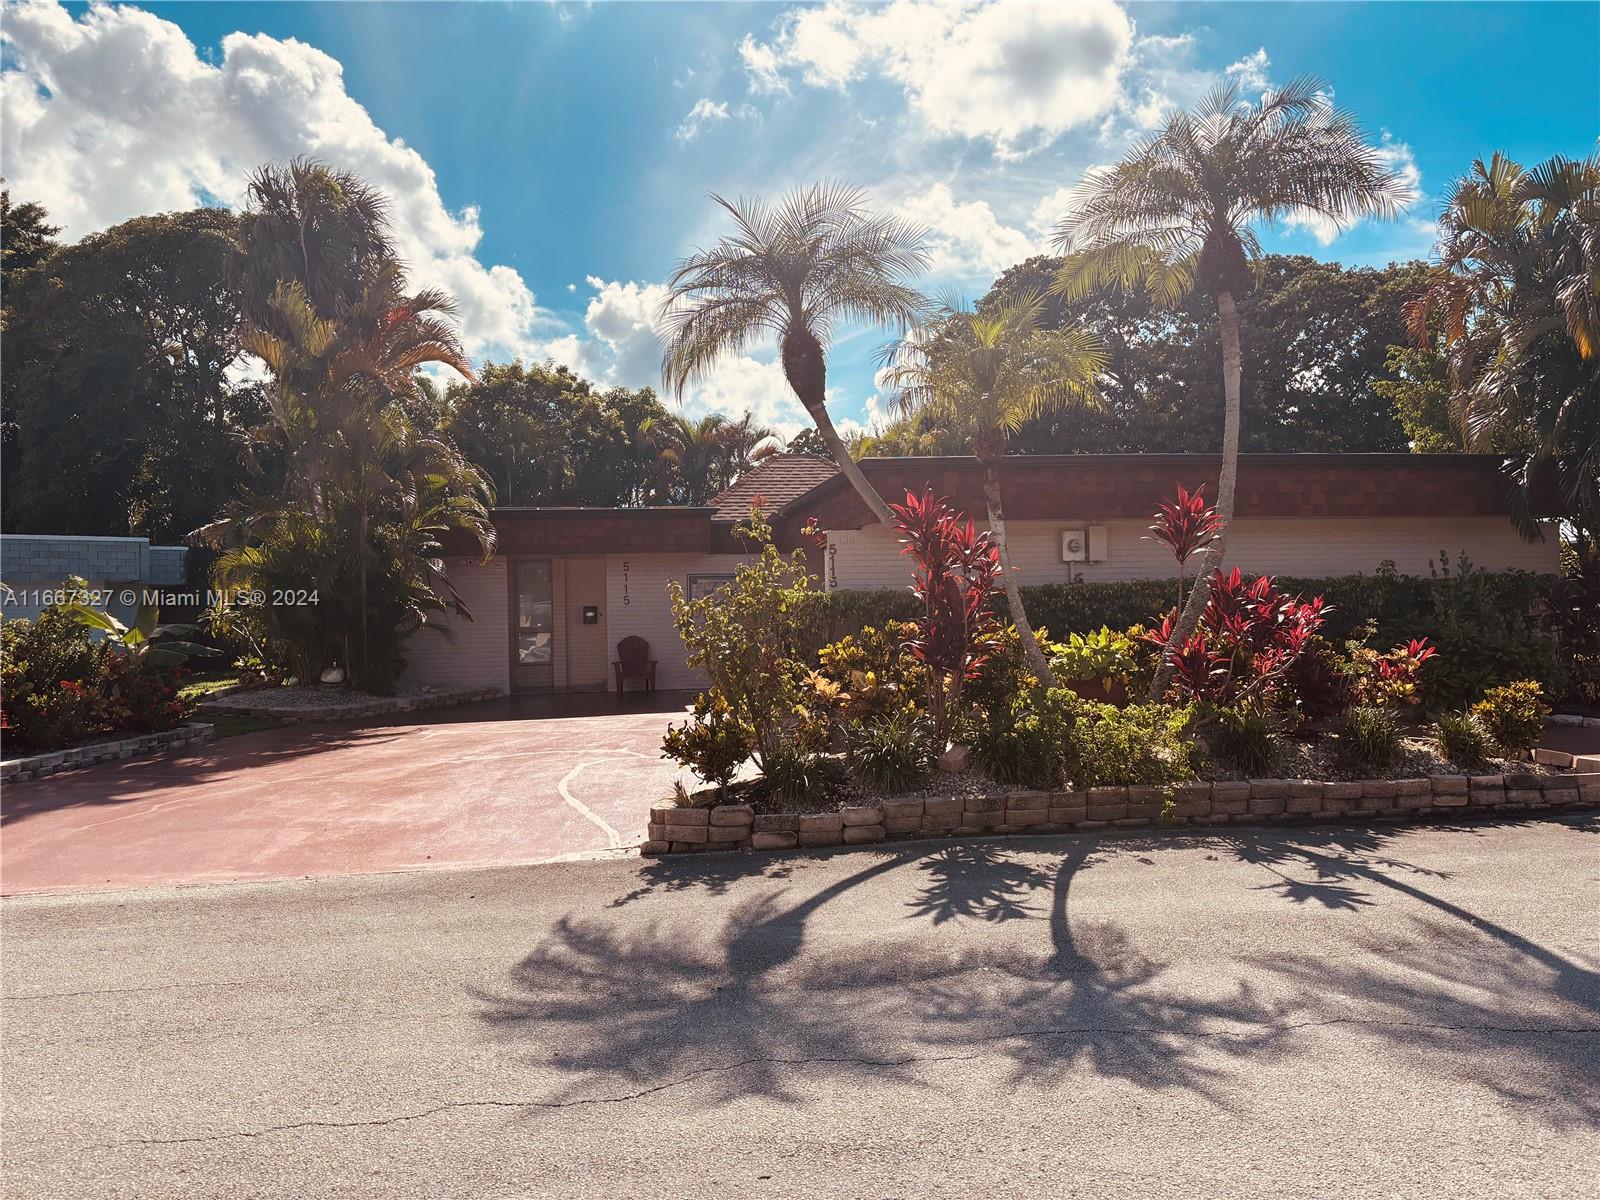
<point>678,829</point>
<point>294,704</point>
<point>37,766</point>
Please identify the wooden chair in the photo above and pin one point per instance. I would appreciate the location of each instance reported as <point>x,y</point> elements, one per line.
<point>634,662</point>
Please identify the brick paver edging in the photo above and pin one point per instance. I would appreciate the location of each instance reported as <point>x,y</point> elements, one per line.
<point>37,766</point>
<point>345,710</point>
<point>676,830</point>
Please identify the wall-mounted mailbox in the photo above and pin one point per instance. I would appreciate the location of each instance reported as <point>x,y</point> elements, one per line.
<point>591,614</point>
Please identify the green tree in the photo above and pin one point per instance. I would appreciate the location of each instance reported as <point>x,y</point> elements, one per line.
<point>985,374</point>
<point>1178,211</point>
<point>26,239</point>
<point>706,454</point>
<point>1418,389</point>
<point>367,499</point>
<point>121,352</point>
<point>1516,293</point>
<point>794,271</point>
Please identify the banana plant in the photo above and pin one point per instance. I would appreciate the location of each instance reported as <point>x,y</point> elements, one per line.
<point>139,639</point>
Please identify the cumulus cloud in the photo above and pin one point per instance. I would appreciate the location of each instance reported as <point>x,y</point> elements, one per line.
<point>116,113</point>
<point>705,112</point>
<point>1016,75</point>
<point>621,346</point>
<point>965,240</point>
<point>1250,72</point>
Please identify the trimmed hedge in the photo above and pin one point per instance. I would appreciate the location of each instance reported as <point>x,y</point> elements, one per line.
<point>1489,626</point>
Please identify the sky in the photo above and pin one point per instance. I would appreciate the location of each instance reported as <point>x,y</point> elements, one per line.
<point>548,163</point>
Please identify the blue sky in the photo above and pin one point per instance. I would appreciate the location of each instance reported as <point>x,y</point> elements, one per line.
<point>550,162</point>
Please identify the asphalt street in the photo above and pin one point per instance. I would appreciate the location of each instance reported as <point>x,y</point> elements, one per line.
<point>1411,1011</point>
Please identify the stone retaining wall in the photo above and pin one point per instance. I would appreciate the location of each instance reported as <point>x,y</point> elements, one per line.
<point>345,710</point>
<point>39,765</point>
<point>675,830</point>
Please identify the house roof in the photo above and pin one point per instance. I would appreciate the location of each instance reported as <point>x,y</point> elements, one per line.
<point>780,479</point>
<point>1096,486</point>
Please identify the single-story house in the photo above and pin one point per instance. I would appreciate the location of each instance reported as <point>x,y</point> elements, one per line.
<point>567,584</point>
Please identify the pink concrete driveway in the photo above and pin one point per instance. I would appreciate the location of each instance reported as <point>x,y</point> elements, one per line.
<point>476,787</point>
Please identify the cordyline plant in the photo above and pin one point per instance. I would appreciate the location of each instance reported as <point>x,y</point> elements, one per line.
<point>1185,526</point>
<point>956,571</point>
<point>1251,635</point>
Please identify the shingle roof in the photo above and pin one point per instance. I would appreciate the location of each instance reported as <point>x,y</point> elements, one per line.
<point>780,478</point>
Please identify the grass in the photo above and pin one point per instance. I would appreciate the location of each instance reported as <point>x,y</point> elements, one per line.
<point>227,725</point>
<point>200,688</point>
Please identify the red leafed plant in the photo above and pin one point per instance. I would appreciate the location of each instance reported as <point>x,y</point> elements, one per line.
<point>954,576</point>
<point>1249,641</point>
<point>1185,526</point>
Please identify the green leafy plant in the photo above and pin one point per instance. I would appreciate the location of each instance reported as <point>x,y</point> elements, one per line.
<point>1369,737</point>
<point>869,673</point>
<point>1106,656</point>
<point>1139,744</point>
<point>712,743</point>
<point>139,640</point>
<point>1462,740</point>
<point>1245,738</point>
<point>890,754</point>
<point>796,777</point>
<point>1513,715</point>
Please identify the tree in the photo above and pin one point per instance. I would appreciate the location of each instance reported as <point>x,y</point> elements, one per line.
<point>808,441</point>
<point>26,239</point>
<point>794,272</point>
<point>1178,211</point>
<point>985,374</point>
<point>706,455</point>
<point>1516,293</point>
<point>121,354</point>
<point>366,499</point>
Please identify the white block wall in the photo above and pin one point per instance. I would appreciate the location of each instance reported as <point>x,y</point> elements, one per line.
<point>870,558</point>
<point>473,654</point>
<point>637,605</point>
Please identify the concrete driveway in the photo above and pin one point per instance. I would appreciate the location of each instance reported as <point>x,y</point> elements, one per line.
<point>502,782</point>
<point>1397,1012</point>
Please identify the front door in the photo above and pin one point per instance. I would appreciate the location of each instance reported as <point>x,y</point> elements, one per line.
<point>533,628</point>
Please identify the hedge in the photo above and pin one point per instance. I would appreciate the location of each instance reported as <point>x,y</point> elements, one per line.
<point>1489,626</point>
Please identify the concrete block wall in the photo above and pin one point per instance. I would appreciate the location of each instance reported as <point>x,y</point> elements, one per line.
<point>30,562</point>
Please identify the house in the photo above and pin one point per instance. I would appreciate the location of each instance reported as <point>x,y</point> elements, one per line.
<point>567,584</point>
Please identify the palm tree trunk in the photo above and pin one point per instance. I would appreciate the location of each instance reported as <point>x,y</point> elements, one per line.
<point>1037,663</point>
<point>1227,483</point>
<point>807,371</point>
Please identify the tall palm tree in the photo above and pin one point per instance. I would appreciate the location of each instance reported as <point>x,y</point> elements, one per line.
<point>707,453</point>
<point>984,375</point>
<point>1516,295</point>
<point>794,272</point>
<point>1178,210</point>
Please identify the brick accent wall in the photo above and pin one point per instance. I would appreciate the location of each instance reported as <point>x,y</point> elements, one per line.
<point>870,557</point>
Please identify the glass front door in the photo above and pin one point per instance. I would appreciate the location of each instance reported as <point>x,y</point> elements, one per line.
<point>533,631</point>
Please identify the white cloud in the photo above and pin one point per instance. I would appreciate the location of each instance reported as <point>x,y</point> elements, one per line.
<point>705,112</point>
<point>965,241</point>
<point>1250,72</point>
<point>1016,75</point>
<point>621,346</point>
<point>115,114</point>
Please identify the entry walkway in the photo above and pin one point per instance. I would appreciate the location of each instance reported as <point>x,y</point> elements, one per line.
<point>507,781</point>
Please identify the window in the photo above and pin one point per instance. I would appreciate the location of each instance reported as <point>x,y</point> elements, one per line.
<point>701,586</point>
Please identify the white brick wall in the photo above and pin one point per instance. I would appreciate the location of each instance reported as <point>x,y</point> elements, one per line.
<point>473,654</point>
<point>637,605</point>
<point>869,558</point>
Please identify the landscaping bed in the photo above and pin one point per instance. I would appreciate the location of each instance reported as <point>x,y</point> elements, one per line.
<point>331,703</point>
<point>37,766</point>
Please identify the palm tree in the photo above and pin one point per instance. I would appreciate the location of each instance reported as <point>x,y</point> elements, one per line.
<point>794,272</point>
<point>985,374</point>
<point>708,453</point>
<point>1516,295</point>
<point>1178,211</point>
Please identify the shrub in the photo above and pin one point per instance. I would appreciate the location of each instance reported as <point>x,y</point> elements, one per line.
<point>1513,716</point>
<point>746,637</point>
<point>1369,737</point>
<point>1462,740</point>
<point>1320,687</point>
<point>1105,656</point>
<point>796,776</point>
<point>1004,673</point>
<point>869,673</point>
<point>890,754</point>
<point>955,572</point>
<point>1143,743</point>
<point>712,743</point>
<point>1024,742</point>
<point>1389,679</point>
<point>1245,738</point>
<point>1573,598</point>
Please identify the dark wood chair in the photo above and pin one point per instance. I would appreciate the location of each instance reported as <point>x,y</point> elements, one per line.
<point>634,662</point>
